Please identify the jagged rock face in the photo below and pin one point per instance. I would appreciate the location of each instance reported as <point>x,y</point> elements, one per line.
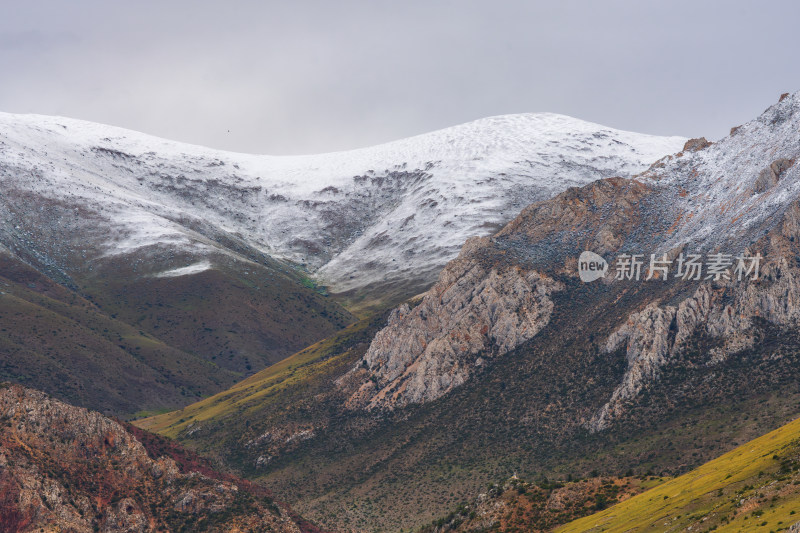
<point>68,469</point>
<point>475,308</point>
<point>724,310</point>
<point>770,176</point>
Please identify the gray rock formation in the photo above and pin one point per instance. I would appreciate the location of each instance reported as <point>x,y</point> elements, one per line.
<point>475,311</point>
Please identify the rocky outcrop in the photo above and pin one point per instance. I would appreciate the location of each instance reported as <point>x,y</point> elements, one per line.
<point>68,469</point>
<point>475,312</point>
<point>693,145</point>
<point>770,176</point>
<point>727,202</point>
<point>655,335</point>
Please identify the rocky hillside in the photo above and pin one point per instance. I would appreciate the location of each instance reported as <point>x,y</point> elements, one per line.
<point>518,505</point>
<point>64,468</point>
<point>739,198</point>
<point>476,311</point>
<point>751,488</point>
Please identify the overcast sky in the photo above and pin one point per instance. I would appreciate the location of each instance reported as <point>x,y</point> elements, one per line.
<point>304,76</point>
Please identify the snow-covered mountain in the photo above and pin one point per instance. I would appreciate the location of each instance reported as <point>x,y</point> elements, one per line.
<point>388,216</point>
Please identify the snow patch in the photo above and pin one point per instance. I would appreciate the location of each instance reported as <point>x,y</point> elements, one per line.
<point>186,271</point>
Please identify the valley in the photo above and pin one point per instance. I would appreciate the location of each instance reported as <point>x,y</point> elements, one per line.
<point>384,402</point>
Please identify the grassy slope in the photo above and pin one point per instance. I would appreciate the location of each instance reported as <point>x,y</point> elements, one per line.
<point>131,342</point>
<point>257,392</point>
<point>61,342</point>
<point>243,315</point>
<point>755,487</point>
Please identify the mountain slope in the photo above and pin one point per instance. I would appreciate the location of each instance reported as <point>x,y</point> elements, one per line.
<point>119,339</point>
<point>216,258</point>
<point>739,196</point>
<point>293,383</point>
<point>755,487</point>
<point>385,217</point>
<point>511,363</point>
<point>53,338</point>
<point>65,468</point>
<point>518,505</point>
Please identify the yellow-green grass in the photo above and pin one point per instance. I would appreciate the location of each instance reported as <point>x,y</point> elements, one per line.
<point>755,487</point>
<point>250,393</point>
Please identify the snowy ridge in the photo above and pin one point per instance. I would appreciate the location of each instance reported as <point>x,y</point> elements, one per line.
<point>393,213</point>
<point>732,192</point>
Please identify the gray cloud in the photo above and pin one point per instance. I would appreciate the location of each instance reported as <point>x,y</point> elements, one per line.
<point>300,77</point>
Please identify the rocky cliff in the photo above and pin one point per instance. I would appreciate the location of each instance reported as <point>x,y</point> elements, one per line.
<point>494,297</point>
<point>476,311</point>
